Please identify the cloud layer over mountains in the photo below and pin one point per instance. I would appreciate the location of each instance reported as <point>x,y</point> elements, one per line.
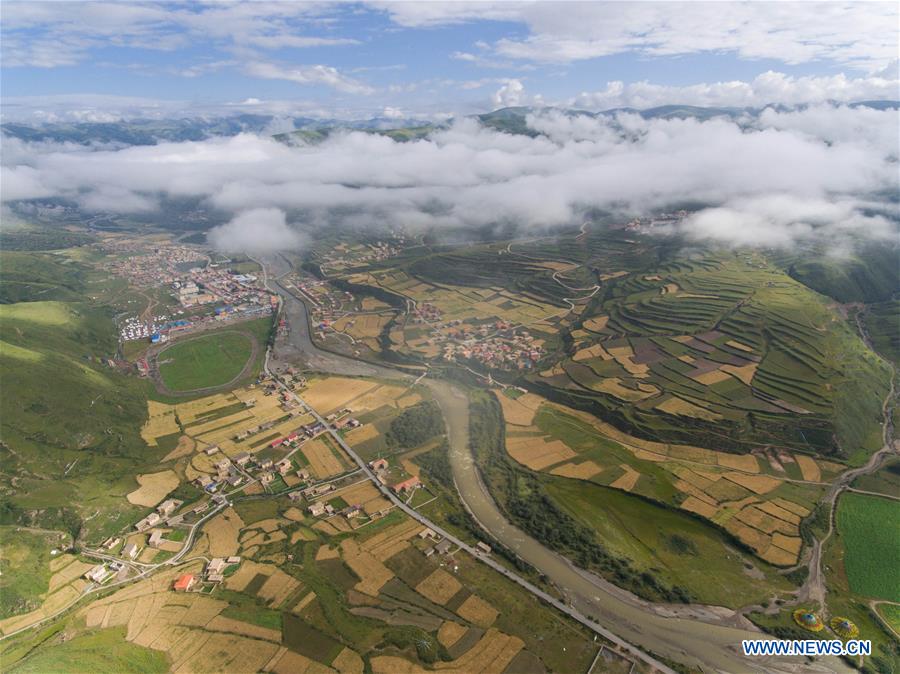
<point>784,175</point>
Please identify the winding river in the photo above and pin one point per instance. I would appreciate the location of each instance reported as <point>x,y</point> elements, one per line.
<point>705,638</point>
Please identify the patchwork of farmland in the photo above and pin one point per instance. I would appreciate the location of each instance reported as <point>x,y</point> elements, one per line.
<point>305,599</point>
<point>759,499</point>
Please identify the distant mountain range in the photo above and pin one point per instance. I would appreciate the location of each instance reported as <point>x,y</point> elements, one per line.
<point>306,129</point>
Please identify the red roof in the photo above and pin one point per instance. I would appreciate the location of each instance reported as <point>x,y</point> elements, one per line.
<point>276,443</point>
<point>407,484</point>
<point>184,582</point>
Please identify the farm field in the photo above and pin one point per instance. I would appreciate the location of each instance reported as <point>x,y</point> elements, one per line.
<point>868,528</point>
<point>751,497</point>
<point>357,596</point>
<point>200,362</point>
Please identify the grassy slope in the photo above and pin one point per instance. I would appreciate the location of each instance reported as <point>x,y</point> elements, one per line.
<point>24,560</point>
<point>679,549</point>
<point>868,527</point>
<point>210,360</point>
<point>94,651</point>
<point>883,323</point>
<point>68,408</point>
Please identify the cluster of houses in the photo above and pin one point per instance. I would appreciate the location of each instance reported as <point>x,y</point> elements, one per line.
<point>342,256</point>
<point>513,348</point>
<point>159,265</point>
<point>234,471</point>
<point>164,515</point>
<point>426,312</point>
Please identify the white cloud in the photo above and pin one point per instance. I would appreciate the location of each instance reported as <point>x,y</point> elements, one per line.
<point>260,230</point>
<point>861,34</point>
<point>392,113</point>
<point>767,88</point>
<point>510,94</point>
<point>308,74</point>
<point>54,33</point>
<point>771,181</point>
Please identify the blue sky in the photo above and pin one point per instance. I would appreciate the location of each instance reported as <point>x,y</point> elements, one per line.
<point>433,59</point>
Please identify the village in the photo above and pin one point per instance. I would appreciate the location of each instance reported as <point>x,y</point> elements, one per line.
<point>277,450</point>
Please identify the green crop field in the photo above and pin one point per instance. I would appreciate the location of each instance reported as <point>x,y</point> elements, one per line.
<point>868,526</point>
<point>210,360</point>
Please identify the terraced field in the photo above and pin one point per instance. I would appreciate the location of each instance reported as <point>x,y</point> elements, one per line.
<point>757,499</point>
<point>724,351</point>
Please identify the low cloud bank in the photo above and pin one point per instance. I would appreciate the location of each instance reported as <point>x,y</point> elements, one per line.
<point>826,171</point>
<point>259,230</point>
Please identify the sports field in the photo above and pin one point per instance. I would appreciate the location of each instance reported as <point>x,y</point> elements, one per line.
<point>210,360</point>
<point>868,526</point>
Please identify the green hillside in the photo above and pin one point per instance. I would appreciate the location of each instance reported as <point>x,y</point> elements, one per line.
<point>69,423</point>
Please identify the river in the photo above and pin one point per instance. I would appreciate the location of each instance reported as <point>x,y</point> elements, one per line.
<point>701,640</point>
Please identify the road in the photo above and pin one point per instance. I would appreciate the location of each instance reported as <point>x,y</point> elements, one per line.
<point>658,628</point>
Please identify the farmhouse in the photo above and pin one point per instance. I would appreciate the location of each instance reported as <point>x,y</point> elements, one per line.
<point>130,551</point>
<point>149,521</point>
<point>97,574</point>
<point>185,582</point>
<point>266,464</point>
<point>267,478</point>
<point>284,466</point>
<point>169,506</point>
<point>407,485</point>
<point>443,547</point>
<point>235,480</point>
<point>378,464</point>
<point>317,509</point>
<point>212,449</point>
<point>155,538</point>
<point>112,542</point>
<point>216,566</point>
<point>242,459</point>
<point>204,481</point>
